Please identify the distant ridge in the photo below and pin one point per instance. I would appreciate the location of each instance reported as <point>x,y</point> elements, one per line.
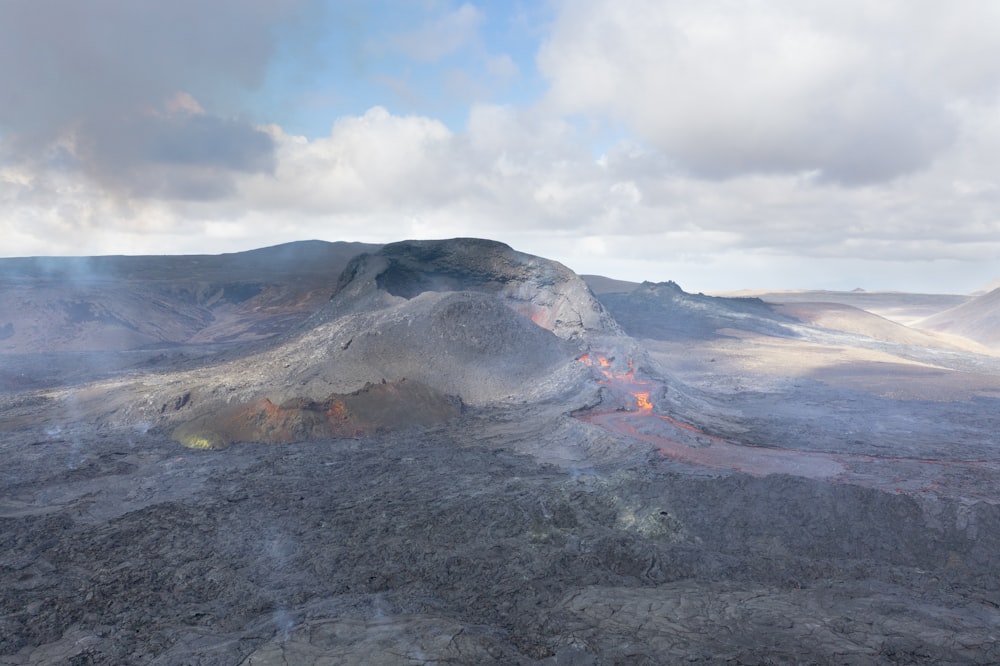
<point>116,303</point>
<point>977,319</point>
<point>900,307</point>
<point>664,311</point>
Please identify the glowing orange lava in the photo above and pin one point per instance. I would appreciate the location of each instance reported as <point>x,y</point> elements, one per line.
<point>687,444</point>
<point>684,442</point>
<point>603,364</point>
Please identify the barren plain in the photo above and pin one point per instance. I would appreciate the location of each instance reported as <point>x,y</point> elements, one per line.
<point>439,452</point>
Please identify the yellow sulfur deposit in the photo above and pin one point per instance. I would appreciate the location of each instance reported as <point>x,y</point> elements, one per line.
<point>199,441</point>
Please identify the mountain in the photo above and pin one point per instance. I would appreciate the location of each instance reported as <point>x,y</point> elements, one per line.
<point>545,291</point>
<point>901,307</point>
<point>852,320</point>
<point>439,323</point>
<point>664,311</point>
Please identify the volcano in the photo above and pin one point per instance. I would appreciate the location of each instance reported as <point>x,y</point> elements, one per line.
<point>471,321</point>
<point>451,451</point>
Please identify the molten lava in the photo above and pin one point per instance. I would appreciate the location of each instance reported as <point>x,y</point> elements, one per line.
<point>538,314</point>
<point>685,443</point>
<point>604,365</point>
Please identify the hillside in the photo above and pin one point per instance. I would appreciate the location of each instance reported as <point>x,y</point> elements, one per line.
<point>901,307</point>
<point>117,303</point>
<point>977,319</point>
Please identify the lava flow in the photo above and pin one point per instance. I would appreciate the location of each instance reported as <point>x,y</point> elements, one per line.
<point>634,416</point>
<point>684,442</point>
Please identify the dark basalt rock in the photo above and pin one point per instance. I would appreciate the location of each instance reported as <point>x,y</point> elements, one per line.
<point>453,503</point>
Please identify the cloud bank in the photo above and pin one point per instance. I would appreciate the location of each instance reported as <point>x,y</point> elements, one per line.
<point>852,92</point>
<point>788,144</point>
<point>94,86</point>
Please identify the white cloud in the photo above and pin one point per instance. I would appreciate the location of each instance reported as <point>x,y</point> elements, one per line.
<point>183,102</point>
<point>104,78</point>
<point>855,92</point>
<point>373,160</point>
<point>784,143</point>
<point>525,178</point>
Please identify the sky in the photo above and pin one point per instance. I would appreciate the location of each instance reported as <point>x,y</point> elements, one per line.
<point>799,144</point>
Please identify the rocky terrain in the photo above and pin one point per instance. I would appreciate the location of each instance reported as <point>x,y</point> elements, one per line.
<point>452,452</point>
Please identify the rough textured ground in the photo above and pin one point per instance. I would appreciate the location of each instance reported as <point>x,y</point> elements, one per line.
<point>735,484</point>
<point>441,547</point>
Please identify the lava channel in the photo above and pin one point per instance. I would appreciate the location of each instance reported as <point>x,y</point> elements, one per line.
<point>685,443</point>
